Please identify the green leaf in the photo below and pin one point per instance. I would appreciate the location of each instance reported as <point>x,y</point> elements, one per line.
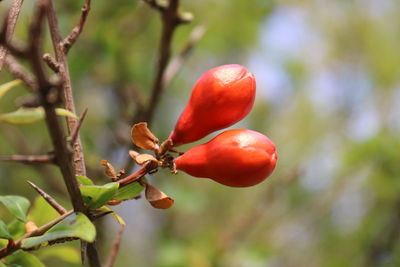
<point>23,259</point>
<point>96,196</point>
<point>17,205</point>
<point>4,88</point>
<point>129,191</point>
<point>76,225</point>
<point>41,212</point>
<point>16,228</point>
<point>61,252</point>
<point>2,264</point>
<point>4,233</point>
<point>31,115</point>
<point>115,215</point>
<point>84,180</point>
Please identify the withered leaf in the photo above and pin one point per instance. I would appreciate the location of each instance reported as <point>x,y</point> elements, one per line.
<point>157,198</point>
<point>109,169</point>
<point>143,137</point>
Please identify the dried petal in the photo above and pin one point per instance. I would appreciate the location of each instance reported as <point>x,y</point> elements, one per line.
<point>109,169</point>
<point>143,158</point>
<point>143,137</point>
<point>165,146</point>
<point>133,154</point>
<point>157,198</point>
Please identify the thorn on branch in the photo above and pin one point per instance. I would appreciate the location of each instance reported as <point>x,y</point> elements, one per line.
<point>52,202</point>
<point>75,132</point>
<point>51,62</point>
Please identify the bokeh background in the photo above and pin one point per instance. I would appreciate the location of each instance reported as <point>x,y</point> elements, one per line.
<point>328,95</point>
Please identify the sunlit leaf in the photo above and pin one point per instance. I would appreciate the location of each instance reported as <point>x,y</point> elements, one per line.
<point>4,88</point>
<point>66,254</point>
<point>2,264</point>
<point>96,196</point>
<point>84,180</point>
<point>31,115</point>
<point>76,225</point>
<point>23,259</point>
<point>17,205</point>
<point>129,191</point>
<point>4,233</point>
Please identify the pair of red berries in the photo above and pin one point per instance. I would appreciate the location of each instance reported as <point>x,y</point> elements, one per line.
<point>221,97</point>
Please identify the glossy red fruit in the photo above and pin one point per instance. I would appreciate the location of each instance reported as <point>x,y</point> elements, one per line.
<point>221,97</point>
<point>237,158</point>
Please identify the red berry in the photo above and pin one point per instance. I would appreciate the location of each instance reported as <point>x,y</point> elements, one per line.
<point>236,158</point>
<point>221,97</point>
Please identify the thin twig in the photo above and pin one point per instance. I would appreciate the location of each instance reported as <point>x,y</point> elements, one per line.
<point>170,20</point>
<point>21,73</point>
<point>71,38</point>
<point>75,132</point>
<point>176,63</point>
<point>11,22</point>
<point>52,202</point>
<point>146,168</point>
<point>115,247</point>
<point>66,85</point>
<point>30,159</point>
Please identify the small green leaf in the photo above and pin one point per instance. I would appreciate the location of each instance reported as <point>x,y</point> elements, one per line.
<point>61,252</point>
<point>84,180</point>
<point>129,191</point>
<point>22,258</point>
<point>115,215</point>
<point>65,113</point>
<point>17,205</point>
<point>4,88</point>
<point>23,116</point>
<point>96,196</point>
<point>2,264</point>
<point>76,225</point>
<point>4,233</point>
<point>31,115</point>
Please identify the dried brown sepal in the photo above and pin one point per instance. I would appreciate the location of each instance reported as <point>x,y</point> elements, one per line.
<point>143,158</point>
<point>109,169</point>
<point>165,146</point>
<point>30,226</point>
<point>133,154</point>
<point>157,198</point>
<point>143,137</point>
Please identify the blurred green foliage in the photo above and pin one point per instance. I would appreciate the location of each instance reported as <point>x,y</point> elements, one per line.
<point>328,96</point>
